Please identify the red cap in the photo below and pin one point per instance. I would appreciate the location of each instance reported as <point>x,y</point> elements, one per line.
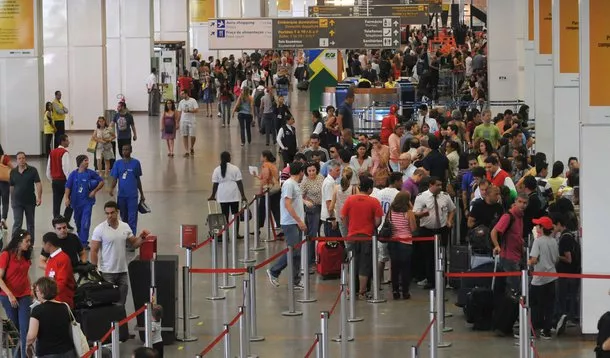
<point>393,108</point>
<point>545,222</point>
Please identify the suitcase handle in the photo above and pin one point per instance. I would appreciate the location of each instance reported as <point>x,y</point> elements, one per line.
<point>216,210</point>
<point>493,279</point>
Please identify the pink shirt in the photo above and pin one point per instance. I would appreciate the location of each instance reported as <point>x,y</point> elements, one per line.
<point>394,144</point>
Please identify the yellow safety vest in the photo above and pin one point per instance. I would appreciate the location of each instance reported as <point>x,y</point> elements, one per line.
<point>58,116</point>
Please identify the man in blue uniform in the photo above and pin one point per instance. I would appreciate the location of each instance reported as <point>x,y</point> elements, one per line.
<point>127,172</point>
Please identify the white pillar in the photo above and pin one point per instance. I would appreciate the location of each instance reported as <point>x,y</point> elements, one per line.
<point>172,20</point>
<point>530,60</point>
<point>502,59</point>
<point>21,81</point>
<point>74,56</point>
<point>594,114</point>
<point>129,46</point>
<point>566,79</point>
<point>544,78</point>
<point>200,12</point>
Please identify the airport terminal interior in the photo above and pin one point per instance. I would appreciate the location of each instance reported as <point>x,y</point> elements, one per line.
<point>177,186</point>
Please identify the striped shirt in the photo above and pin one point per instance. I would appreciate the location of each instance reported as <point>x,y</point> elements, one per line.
<point>401,226</point>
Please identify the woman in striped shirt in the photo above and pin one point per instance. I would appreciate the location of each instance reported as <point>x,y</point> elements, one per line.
<point>403,224</point>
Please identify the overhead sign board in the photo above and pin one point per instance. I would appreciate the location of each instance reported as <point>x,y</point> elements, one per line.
<point>434,5</point>
<point>305,33</point>
<point>347,32</point>
<point>227,34</point>
<point>409,14</point>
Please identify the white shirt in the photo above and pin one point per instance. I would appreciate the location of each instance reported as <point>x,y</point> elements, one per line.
<point>151,81</point>
<point>65,165</point>
<point>113,258</point>
<point>190,104</point>
<point>156,332</point>
<point>228,191</point>
<point>425,202</point>
<point>280,136</point>
<point>319,128</point>
<point>468,63</point>
<point>386,197</point>
<point>432,124</point>
<point>328,186</point>
<point>407,173</point>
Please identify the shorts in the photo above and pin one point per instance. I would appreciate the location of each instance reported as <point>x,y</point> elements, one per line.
<point>365,258</point>
<point>382,252</point>
<point>187,128</point>
<point>103,151</point>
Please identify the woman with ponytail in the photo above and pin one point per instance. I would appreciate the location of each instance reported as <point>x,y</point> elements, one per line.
<point>226,180</point>
<point>342,192</point>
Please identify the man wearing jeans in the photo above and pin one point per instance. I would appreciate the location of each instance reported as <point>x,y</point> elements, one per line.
<point>59,167</point>
<point>110,236</point>
<point>292,216</point>
<point>24,199</point>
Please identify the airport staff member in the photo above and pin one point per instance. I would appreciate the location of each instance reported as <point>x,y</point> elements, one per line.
<point>127,173</point>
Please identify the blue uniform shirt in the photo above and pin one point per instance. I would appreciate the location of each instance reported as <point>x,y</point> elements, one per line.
<point>81,184</point>
<point>127,174</point>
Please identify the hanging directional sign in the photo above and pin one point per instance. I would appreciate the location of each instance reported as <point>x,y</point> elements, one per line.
<point>435,5</point>
<point>228,34</point>
<point>409,14</point>
<point>348,32</point>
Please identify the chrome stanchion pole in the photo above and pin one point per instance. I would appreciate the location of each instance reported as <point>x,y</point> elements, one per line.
<point>375,286</point>
<point>246,314</point>
<point>234,234</point>
<point>413,352</point>
<point>305,270</point>
<point>215,294</point>
<point>115,340</point>
<point>225,285</point>
<point>227,341</point>
<point>254,337</point>
<point>153,282</point>
<point>524,329</point>
<point>242,333</point>
<point>148,325</point>
<point>189,264</point>
<point>352,290</point>
<point>186,327</point>
<point>319,353</point>
<point>440,295</point>
<point>343,337</point>
<point>458,221</point>
<point>324,315</point>
<point>98,352</point>
<point>433,330</point>
<point>247,258</point>
<point>268,219</point>
<point>257,233</point>
<point>291,300</point>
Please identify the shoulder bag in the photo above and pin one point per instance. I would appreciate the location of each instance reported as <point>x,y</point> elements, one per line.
<point>386,229</point>
<point>5,170</point>
<point>81,346</point>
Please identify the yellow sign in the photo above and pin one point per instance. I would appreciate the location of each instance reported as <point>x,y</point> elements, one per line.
<point>545,27</point>
<point>530,20</point>
<point>16,24</point>
<point>202,10</point>
<point>599,51</point>
<point>323,23</point>
<point>284,5</point>
<point>568,36</point>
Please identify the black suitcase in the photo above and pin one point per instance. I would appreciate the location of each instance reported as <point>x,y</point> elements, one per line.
<point>459,261</point>
<point>506,312</point>
<point>479,308</point>
<point>95,322</point>
<point>96,294</point>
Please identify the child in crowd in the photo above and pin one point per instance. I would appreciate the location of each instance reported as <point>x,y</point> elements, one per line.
<point>157,340</point>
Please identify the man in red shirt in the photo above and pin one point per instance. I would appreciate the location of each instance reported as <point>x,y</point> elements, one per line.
<point>59,268</point>
<point>362,215</point>
<point>388,124</point>
<point>59,167</point>
<point>185,82</point>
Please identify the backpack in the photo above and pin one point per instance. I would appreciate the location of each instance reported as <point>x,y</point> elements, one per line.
<point>258,95</point>
<point>420,67</point>
<point>543,196</point>
<point>577,256</point>
<point>237,89</point>
<point>603,328</point>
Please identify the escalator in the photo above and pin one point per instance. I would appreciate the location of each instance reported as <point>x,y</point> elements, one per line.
<point>479,14</point>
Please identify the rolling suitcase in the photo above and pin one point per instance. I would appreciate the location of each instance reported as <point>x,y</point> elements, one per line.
<point>329,259</point>
<point>459,262</point>
<point>506,312</point>
<point>480,305</point>
<point>216,219</point>
<point>96,321</point>
<point>93,291</point>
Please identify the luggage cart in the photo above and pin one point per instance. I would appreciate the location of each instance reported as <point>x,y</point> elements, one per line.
<point>10,339</point>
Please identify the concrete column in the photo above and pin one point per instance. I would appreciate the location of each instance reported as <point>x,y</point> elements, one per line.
<point>74,58</point>
<point>530,59</point>
<point>21,80</point>
<point>172,20</point>
<point>544,78</point>
<point>129,48</point>
<point>565,79</point>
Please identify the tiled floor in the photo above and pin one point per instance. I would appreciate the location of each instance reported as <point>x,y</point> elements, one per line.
<point>176,190</point>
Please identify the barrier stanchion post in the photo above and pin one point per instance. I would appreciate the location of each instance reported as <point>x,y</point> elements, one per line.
<point>324,332</point>
<point>433,330</point>
<point>98,351</point>
<point>257,233</point>
<point>254,337</point>
<point>189,264</point>
<point>413,352</point>
<point>234,234</point>
<point>524,329</point>
<point>352,290</point>
<point>440,294</point>
<point>242,333</point>
<point>306,298</point>
<point>375,285</point>
<point>343,337</point>
<point>291,300</point>
<point>457,226</point>
<point>247,257</point>
<point>246,314</point>
<point>319,345</point>
<point>215,294</point>
<point>153,282</point>
<point>225,285</point>
<point>227,341</point>
<point>148,325</point>
<point>115,340</point>
<point>269,235</point>
<point>186,327</point>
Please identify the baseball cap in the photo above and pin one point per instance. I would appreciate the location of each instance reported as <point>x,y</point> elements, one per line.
<point>393,108</point>
<point>545,222</point>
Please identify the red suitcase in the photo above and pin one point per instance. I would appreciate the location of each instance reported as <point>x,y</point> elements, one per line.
<point>329,259</point>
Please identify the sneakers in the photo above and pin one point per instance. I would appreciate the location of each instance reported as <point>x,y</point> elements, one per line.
<point>544,335</point>
<point>298,287</point>
<point>423,282</point>
<point>274,281</point>
<point>561,325</point>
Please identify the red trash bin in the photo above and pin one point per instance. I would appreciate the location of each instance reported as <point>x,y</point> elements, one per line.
<point>148,249</point>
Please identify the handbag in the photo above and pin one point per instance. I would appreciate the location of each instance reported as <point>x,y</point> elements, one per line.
<point>386,229</point>
<point>143,208</point>
<point>5,170</point>
<point>81,346</point>
<point>91,146</point>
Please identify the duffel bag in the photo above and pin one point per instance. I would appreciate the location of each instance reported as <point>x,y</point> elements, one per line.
<point>93,291</point>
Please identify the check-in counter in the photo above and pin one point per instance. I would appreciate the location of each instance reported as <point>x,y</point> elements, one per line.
<point>363,97</point>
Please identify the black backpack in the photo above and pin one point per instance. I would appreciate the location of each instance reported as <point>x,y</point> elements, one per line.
<point>603,333</point>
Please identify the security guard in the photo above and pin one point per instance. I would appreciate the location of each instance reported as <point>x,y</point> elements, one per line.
<point>435,210</point>
<point>59,116</point>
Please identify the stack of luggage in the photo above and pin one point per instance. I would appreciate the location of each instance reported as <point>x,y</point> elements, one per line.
<point>96,303</point>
